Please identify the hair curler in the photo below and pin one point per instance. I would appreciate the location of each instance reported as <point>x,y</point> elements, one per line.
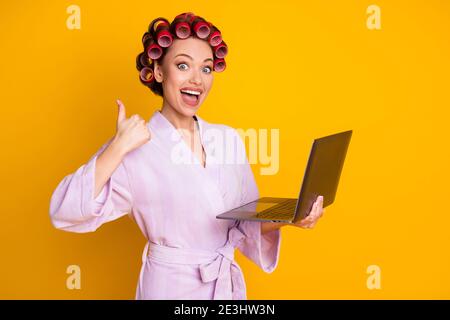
<point>163,36</point>
<point>145,37</point>
<point>219,65</point>
<point>180,28</point>
<point>154,51</point>
<point>144,60</point>
<point>200,27</point>
<point>146,75</point>
<point>215,37</point>
<point>155,23</point>
<point>221,50</point>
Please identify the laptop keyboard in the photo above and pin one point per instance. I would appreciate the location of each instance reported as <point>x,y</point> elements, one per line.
<point>284,210</point>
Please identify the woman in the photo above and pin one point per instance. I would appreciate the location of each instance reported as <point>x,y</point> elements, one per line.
<point>169,177</point>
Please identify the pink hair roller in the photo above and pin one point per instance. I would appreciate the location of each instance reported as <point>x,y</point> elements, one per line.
<point>219,65</point>
<point>163,36</point>
<point>146,75</point>
<point>145,60</point>
<point>142,60</point>
<point>182,30</point>
<point>215,37</point>
<point>221,50</point>
<point>154,51</point>
<point>200,26</point>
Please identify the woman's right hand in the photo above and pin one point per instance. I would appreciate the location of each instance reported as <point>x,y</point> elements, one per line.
<point>132,132</point>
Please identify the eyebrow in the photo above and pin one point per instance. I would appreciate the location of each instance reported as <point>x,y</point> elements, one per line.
<point>183,54</point>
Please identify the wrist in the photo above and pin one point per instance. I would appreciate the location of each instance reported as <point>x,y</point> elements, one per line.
<point>117,147</point>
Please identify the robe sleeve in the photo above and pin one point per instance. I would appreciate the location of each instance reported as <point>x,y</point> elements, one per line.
<point>262,249</point>
<point>73,206</point>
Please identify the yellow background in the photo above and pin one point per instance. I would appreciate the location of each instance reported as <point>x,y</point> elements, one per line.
<point>308,68</point>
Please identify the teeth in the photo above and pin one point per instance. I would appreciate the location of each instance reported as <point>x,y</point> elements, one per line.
<point>191,92</point>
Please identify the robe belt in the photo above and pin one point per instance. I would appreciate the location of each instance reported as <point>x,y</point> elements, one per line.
<point>218,265</point>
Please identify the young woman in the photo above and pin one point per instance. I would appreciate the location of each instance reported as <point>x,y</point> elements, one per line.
<point>143,171</point>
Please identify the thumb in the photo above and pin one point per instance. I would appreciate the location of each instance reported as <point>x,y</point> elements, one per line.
<point>121,115</point>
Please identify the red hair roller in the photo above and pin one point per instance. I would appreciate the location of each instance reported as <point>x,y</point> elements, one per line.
<point>145,60</point>
<point>200,26</point>
<point>160,23</point>
<point>221,50</point>
<point>163,35</point>
<point>219,65</point>
<point>145,37</point>
<point>154,51</point>
<point>146,75</point>
<point>164,38</point>
<point>182,30</point>
<point>215,38</point>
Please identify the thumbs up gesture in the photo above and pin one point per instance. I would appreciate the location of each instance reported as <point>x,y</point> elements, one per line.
<point>131,132</point>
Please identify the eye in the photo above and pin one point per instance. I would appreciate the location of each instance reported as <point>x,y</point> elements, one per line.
<point>210,69</point>
<point>185,68</point>
<point>179,64</point>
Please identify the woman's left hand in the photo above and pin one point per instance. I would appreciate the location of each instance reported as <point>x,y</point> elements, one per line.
<point>314,215</point>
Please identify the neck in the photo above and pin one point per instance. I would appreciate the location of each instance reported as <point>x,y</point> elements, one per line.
<point>178,120</point>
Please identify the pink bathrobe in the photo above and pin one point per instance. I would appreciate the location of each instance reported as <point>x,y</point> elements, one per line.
<point>190,253</point>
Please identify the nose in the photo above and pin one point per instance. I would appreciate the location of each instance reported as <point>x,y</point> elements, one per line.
<point>195,78</point>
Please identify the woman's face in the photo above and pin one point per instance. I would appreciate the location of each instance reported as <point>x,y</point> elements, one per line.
<point>187,64</point>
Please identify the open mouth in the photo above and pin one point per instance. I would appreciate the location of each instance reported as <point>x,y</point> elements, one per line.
<point>190,94</point>
<point>190,98</point>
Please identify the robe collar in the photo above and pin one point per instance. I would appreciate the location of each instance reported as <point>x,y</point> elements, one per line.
<point>163,127</point>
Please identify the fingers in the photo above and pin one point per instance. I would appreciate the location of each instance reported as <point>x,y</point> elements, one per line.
<point>321,213</point>
<point>316,212</point>
<point>304,224</point>
<point>136,119</point>
<point>312,225</point>
<point>306,221</point>
<point>319,206</point>
<point>121,114</point>
<point>138,123</point>
<point>148,133</point>
<point>310,217</point>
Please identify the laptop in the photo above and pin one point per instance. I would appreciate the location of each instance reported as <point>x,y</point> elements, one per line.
<point>321,178</point>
